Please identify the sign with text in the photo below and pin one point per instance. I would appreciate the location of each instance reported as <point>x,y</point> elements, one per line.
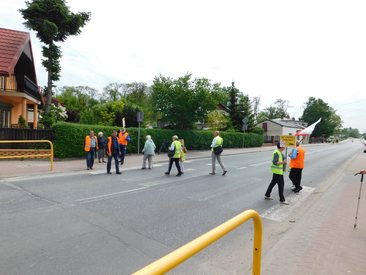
<point>289,141</point>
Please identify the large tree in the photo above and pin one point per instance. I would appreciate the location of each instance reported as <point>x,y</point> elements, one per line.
<point>182,102</point>
<point>278,110</point>
<point>316,108</point>
<point>53,22</point>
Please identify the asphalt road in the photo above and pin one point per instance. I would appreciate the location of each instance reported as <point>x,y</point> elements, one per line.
<point>115,224</point>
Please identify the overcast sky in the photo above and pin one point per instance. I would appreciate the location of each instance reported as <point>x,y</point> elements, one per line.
<point>272,49</point>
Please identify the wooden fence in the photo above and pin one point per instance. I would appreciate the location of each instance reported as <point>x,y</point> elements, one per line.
<point>25,134</point>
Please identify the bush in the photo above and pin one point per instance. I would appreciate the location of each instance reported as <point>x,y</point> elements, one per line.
<point>69,138</point>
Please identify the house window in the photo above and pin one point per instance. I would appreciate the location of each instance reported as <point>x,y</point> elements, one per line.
<point>264,126</point>
<point>2,82</point>
<point>4,116</point>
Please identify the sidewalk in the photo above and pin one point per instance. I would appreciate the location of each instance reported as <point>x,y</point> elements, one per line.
<point>32,167</point>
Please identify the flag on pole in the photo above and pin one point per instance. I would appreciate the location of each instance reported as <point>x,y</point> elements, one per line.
<point>308,130</point>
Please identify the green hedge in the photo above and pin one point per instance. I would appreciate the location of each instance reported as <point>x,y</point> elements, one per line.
<point>69,138</point>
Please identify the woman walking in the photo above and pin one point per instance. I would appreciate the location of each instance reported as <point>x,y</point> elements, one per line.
<point>149,152</point>
<point>101,147</point>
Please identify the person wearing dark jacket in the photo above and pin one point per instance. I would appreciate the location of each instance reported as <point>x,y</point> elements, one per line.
<point>113,150</point>
<point>102,143</point>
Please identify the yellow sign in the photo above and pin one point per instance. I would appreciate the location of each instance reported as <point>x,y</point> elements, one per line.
<point>290,141</point>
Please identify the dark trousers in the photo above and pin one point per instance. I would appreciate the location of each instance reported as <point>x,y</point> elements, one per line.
<point>295,176</point>
<point>276,179</point>
<point>123,153</point>
<point>109,163</point>
<point>90,158</point>
<point>176,161</point>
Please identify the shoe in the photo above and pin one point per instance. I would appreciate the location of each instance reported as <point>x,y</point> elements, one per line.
<point>118,173</point>
<point>91,168</point>
<point>109,173</point>
<point>98,161</point>
<point>149,168</point>
<point>167,173</point>
<point>212,173</point>
<point>88,168</point>
<point>143,168</point>
<point>122,161</point>
<point>268,198</point>
<point>103,161</point>
<point>179,174</point>
<point>224,173</point>
<point>284,202</point>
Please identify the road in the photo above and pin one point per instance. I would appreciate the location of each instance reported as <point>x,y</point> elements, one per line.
<point>96,223</point>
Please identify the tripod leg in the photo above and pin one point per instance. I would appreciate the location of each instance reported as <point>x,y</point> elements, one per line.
<point>358,202</point>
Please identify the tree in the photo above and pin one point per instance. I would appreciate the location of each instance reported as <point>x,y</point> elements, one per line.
<point>53,22</point>
<point>182,102</point>
<point>279,110</point>
<point>350,132</point>
<point>217,120</point>
<point>317,108</point>
<point>240,107</point>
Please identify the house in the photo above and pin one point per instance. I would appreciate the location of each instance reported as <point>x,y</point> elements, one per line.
<point>19,91</point>
<point>274,128</point>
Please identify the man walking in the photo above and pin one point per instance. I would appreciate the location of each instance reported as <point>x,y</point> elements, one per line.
<point>90,147</point>
<point>277,167</point>
<point>113,150</point>
<point>124,138</point>
<point>216,150</point>
<point>176,147</point>
<point>297,158</point>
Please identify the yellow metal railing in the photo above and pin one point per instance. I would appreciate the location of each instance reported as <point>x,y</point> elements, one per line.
<point>50,155</point>
<point>183,253</point>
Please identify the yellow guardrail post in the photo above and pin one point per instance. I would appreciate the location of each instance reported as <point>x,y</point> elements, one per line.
<point>185,252</point>
<point>31,156</point>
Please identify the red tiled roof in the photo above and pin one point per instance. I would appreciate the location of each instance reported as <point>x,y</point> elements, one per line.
<point>12,44</point>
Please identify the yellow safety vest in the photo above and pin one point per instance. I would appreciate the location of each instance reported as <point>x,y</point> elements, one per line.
<point>277,169</point>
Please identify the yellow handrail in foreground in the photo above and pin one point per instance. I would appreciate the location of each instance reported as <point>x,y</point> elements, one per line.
<point>31,156</point>
<point>183,253</point>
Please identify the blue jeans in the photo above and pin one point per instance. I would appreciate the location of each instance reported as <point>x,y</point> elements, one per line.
<point>109,163</point>
<point>90,158</point>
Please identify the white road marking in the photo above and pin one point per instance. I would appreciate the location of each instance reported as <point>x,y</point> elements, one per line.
<point>108,196</point>
<point>279,211</point>
<point>260,163</point>
<point>241,168</point>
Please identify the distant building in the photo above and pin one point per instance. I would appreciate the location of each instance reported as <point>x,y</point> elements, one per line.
<point>19,91</point>
<point>274,128</point>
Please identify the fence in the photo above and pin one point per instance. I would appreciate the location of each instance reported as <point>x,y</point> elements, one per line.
<point>185,252</point>
<point>25,134</point>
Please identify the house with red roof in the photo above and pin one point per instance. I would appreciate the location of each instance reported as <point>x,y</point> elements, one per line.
<point>19,91</point>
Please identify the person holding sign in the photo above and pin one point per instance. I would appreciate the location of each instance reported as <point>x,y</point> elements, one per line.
<point>278,168</point>
<point>297,158</point>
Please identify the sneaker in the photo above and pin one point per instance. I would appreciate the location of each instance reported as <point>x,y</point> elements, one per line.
<point>119,173</point>
<point>284,202</point>
<point>167,173</point>
<point>212,173</point>
<point>88,168</point>
<point>109,173</point>
<point>224,173</point>
<point>91,168</point>
<point>179,174</point>
<point>143,168</point>
<point>268,198</point>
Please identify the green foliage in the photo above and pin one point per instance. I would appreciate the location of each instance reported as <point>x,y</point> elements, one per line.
<point>22,123</point>
<point>279,110</point>
<point>317,108</point>
<point>182,102</point>
<point>69,138</point>
<point>217,120</point>
<point>350,132</point>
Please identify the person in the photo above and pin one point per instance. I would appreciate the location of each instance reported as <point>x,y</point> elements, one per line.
<point>113,150</point>
<point>297,158</point>
<point>277,166</point>
<point>148,151</point>
<point>362,171</point>
<point>124,138</point>
<point>217,143</point>
<point>183,154</point>
<point>101,147</point>
<point>176,147</point>
<point>90,147</point>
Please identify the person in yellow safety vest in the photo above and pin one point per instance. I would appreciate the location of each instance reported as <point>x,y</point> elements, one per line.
<point>90,147</point>
<point>176,146</point>
<point>277,167</point>
<point>297,158</point>
<point>124,138</point>
<point>216,150</point>
<point>182,155</point>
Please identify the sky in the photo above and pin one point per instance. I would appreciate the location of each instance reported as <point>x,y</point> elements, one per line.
<point>271,49</point>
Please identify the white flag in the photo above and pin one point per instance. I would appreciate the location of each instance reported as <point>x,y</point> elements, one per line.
<point>308,130</point>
